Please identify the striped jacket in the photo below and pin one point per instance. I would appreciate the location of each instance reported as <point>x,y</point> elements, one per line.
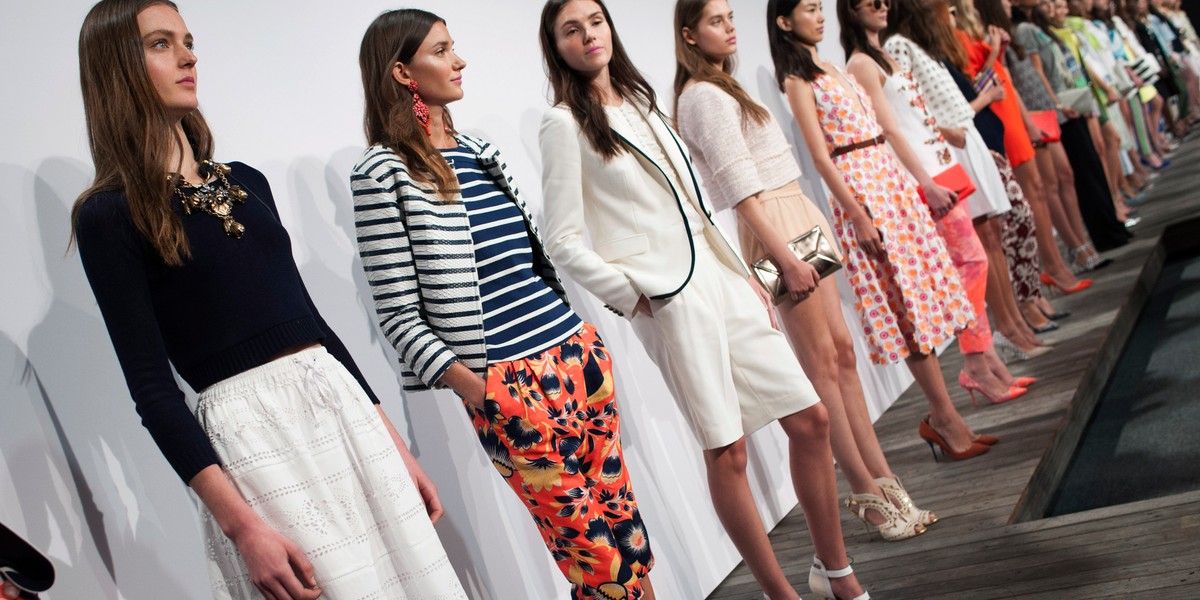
<point>418,255</point>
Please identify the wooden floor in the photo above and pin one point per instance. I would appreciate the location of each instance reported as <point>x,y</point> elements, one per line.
<point>986,545</point>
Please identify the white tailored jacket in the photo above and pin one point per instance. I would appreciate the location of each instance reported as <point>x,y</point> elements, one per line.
<point>630,209</point>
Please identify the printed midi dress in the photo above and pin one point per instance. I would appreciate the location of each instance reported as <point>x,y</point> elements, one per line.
<point>912,301</point>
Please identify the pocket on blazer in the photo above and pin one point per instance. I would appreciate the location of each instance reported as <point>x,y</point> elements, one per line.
<point>623,247</point>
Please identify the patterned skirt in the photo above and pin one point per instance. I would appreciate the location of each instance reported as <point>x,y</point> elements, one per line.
<point>305,447</point>
<point>912,301</point>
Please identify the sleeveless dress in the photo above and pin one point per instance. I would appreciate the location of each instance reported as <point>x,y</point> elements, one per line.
<point>1016,138</point>
<point>912,301</point>
<point>958,232</point>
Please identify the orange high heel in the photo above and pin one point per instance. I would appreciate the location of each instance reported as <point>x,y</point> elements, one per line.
<point>989,440</point>
<point>1025,381</point>
<point>971,386</point>
<point>931,437</point>
<point>1080,285</point>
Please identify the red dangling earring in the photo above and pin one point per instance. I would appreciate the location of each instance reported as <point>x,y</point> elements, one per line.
<point>420,109</point>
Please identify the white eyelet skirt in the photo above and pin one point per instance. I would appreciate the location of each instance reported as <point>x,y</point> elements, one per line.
<point>305,447</point>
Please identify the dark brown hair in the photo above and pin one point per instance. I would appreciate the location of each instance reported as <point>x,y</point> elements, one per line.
<point>1042,21</point>
<point>574,90</point>
<point>991,12</point>
<point>130,134</point>
<point>926,23</point>
<point>692,65</point>
<point>388,119</point>
<point>854,36</point>
<point>788,54</point>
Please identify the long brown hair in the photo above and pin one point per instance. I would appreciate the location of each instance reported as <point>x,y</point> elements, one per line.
<point>925,23</point>
<point>854,36</point>
<point>943,42</point>
<point>574,90</point>
<point>388,118</point>
<point>692,65</point>
<point>130,135</point>
<point>788,54</point>
<point>991,12</point>
<point>968,19</point>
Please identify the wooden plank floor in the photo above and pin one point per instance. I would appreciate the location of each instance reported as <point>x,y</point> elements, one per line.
<point>1149,549</point>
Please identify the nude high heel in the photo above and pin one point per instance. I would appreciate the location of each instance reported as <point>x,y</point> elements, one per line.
<point>895,492</point>
<point>971,386</point>
<point>818,581</point>
<point>895,526</point>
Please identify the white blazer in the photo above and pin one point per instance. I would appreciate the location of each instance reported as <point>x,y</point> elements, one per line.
<point>630,209</point>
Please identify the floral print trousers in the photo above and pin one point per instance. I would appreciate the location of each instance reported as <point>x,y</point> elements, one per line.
<point>1019,238</point>
<point>550,427</point>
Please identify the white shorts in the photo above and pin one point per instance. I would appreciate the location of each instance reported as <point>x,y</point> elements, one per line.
<point>731,373</point>
<point>305,447</point>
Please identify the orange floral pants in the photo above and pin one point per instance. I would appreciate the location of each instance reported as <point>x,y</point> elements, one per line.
<point>550,427</point>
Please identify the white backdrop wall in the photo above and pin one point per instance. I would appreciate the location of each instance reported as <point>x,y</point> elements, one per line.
<point>280,86</point>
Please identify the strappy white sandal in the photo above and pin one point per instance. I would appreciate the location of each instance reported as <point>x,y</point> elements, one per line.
<point>818,580</point>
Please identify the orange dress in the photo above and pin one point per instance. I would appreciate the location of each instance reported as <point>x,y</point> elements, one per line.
<point>1016,138</point>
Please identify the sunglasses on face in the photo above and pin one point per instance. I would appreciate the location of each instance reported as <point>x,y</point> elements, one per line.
<point>876,4</point>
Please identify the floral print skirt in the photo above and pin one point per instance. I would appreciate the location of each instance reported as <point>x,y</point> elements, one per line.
<point>551,429</point>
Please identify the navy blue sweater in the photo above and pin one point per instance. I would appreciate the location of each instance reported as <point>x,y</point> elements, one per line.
<point>234,305</point>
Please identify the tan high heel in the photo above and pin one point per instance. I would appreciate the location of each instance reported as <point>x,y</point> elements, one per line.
<point>895,526</point>
<point>895,492</point>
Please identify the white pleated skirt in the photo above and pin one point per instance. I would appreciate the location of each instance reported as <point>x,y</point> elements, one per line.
<point>991,195</point>
<point>305,447</point>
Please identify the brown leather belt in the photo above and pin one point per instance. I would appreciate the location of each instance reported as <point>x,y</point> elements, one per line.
<point>875,141</point>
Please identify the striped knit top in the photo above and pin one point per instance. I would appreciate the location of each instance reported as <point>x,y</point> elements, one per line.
<point>522,316</point>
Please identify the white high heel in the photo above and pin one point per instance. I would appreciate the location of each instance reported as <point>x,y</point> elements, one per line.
<point>819,576</point>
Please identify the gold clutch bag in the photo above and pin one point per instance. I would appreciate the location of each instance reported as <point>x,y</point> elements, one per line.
<point>813,248</point>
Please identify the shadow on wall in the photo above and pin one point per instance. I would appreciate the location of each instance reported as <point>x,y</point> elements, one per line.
<point>91,439</point>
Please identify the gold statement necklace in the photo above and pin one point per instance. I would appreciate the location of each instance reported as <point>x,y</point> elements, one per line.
<point>215,197</point>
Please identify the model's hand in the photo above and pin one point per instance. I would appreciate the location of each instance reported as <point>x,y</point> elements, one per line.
<point>1070,113</point>
<point>940,200</point>
<point>765,298</point>
<point>800,279</point>
<point>476,393</point>
<point>869,239</point>
<point>428,491</point>
<point>8,591</point>
<point>955,136</point>
<point>1111,93</point>
<point>643,306</point>
<point>1036,134</point>
<point>995,94</point>
<point>277,567</point>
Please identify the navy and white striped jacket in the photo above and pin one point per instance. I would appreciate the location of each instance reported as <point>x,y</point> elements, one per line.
<point>417,252</point>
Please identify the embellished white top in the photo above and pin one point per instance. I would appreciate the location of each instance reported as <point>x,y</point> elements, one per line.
<point>944,98</point>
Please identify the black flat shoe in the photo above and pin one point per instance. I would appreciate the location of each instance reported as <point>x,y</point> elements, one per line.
<point>1055,316</point>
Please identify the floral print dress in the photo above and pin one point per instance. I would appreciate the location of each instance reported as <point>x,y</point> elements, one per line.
<point>912,301</point>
